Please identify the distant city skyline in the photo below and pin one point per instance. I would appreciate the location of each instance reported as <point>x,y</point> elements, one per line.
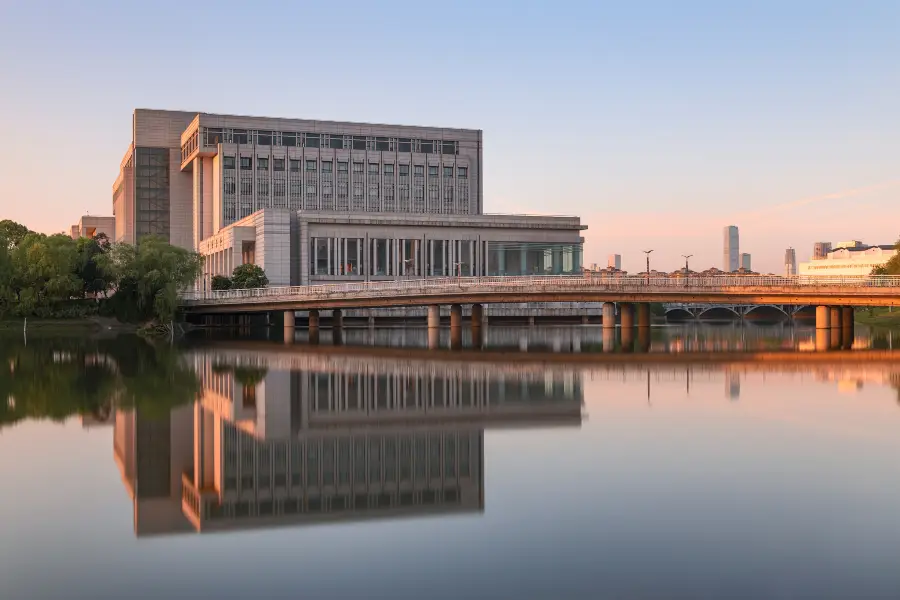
<point>687,117</point>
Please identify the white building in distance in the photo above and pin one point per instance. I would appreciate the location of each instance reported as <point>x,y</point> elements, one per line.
<point>849,258</point>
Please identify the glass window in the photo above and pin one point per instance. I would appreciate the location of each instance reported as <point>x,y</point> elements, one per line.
<point>404,170</point>
<point>405,145</point>
<point>382,144</point>
<point>326,166</point>
<point>359,142</point>
<point>295,165</point>
<point>432,171</point>
<point>228,162</point>
<point>278,164</point>
<point>462,172</point>
<point>357,167</point>
<point>262,164</point>
<point>241,136</point>
<point>353,259</point>
<point>336,142</point>
<point>320,256</point>
<point>426,146</point>
<point>373,168</point>
<point>246,163</point>
<point>448,148</point>
<point>312,140</point>
<point>342,166</point>
<point>388,169</point>
<point>448,171</point>
<point>310,165</point>
<point>213,136</point>
<point>264,138</point>
<point>419,170</point>
<point>288,139</point>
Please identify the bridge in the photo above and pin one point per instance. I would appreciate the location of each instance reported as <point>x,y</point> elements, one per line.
<point>833,297</point>
<point>698,311</point>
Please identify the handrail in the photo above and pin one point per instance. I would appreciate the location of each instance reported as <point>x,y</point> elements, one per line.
<point>877,284</point>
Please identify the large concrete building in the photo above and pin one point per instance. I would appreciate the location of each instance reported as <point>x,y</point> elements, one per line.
<point>849,258</point>
<point>730,249</point>
<point>327,201</point>
<point>821,250</point>
<point>790,262</point>
<point>745,261</point>
<point>89,227</point>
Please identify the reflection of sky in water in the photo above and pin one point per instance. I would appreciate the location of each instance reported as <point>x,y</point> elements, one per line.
<point>789,490</point>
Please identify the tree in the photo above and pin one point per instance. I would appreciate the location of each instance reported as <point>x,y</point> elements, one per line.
<point>12,232</point>
<point>248,276</point>
<point>94,278</point>
<point>892,266</point>
<point>220,282</point>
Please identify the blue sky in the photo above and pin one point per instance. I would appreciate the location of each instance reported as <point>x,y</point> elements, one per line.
<point>657,122</point>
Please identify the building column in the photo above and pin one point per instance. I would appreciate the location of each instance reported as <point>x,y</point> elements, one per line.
<point>643,314</point>
<point>626,310</point>
<point>823,317</point>
<point>523,259</point>
<point>434,316</point>
<point>609,316</point>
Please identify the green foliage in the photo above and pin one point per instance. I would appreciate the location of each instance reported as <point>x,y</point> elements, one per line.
<point>94,278</point>
<point>892,266</point>
<point>220,282</point>
<point>12,233</point>
<point>248,276</point>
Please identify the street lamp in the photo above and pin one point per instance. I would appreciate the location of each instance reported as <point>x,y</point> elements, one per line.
<point>647,252</point>
<point>686,257</point>
<point>406,264</point>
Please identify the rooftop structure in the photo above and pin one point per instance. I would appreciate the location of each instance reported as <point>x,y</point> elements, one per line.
<point>89,226</point>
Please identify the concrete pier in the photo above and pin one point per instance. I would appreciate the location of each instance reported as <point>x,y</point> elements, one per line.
<point>290,322</point>
<point>337,319</point>
<point>848,330</point>
<point>834,317</point>
<point>434,316</point>
<point>314,320</point>
<point>609,338</point>
<point>643,314</point>
<point>455,316</point>
<point>626,316</point>
<point>823,339</point>
<point>627,338</point>
<point>834,337</point>
<point>823,317</point>
<point>609,317</point>
<point>434,338</point>
<point>477,315</point>
<point>643,338</point>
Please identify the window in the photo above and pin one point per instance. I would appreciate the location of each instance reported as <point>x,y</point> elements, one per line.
<point>342,166</point>
<point>419,170</point>
<point>448,148</point>
<point>264,138</point>
<point>359,142</point>
<point>373,168</point>
<point>262,164</point>
<point>230,185</point>
<point>295,165</point>
<point>388,169</point>
<point>426,147</point>
<point>310,165</point>
<point>326,166</point>
<point>357,167</point>
<point>241,136</point>
<point>246,163</point>
<point>228,162</point>
<point>432,171</point>
<point>278,164</point>
<point>336,142</point>
<point>312,140</point>
<point>382,144</point>
<point>279,187</point>
<point>448,171</point>
<point>288,139</point>
<point>404,170</point>
<point>462,172</point>
<point>405,145</point>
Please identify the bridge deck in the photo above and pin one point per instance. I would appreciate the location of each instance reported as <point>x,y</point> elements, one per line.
<point>849,291</point>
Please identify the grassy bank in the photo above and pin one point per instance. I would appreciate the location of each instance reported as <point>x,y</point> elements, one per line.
<point>878,317</point>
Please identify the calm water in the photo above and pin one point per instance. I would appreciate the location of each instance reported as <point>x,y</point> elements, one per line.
<point>723,462</point>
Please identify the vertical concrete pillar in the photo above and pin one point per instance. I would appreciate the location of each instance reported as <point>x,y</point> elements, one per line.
<point>609,317</point>
<point>434,338</point>
<point>822,338</point>
<point>609,338</point>
<point>337,319</point>
<point>434,316</point>
<point>627,338</point>
<point>848,333</point>
<point>626,312</point>
<point>823,317</point>
<point>455,316</point>
<point>531,320</point>
<point>643,342</point>
<point>455,338</point>
<point>371,321</point>
<point>477,337</point>
<point>835,336</point>
<point>834,318</point>
<point>477,315</point>
<point>314,320</point>
<point>585,319</point>
<point>289,324</point>
<point>643,314</point>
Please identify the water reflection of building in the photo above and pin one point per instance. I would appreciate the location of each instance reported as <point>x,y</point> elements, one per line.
<point>273,447</point>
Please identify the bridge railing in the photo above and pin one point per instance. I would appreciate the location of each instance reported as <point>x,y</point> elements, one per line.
<point>635,283</point>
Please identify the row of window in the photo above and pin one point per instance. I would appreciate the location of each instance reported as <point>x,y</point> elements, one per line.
<point>215,135</point>
<point>278,164</point>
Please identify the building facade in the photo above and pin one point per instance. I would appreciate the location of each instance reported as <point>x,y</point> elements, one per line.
<point>790,262</point>
<point>849,258</point>
<point>731,249</point>
<point>821,250</point>
<point>745,261</point>
<point>89,227</point>
<point>614,261</point>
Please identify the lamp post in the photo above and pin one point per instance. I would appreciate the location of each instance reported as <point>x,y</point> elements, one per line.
<point>647,252</point>
<point>406,264</point>
<point>686,257</point>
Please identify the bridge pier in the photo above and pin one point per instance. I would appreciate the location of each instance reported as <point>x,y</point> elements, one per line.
<point>834,317</point>
<point>290,322</point>
<point>626,312</point>
<point>643,341</point>
<point>609,317</point>
<point>848,333</point>
<point>434,316</point>
<point>313,320</point>
<point>823,317</point>
<point>643,314</point>
<point>823,339</point>
<point>609,338</point>
<point>477,315</point>
<point>834,337</point>
<point>627,338</point>
<point>434,338</point>
<point>337,319</point>
<point>455,316</point>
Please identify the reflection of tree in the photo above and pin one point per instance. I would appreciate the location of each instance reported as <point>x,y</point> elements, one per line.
<point>246,376</point>
<point>895,383</point>
<point>61,378</point>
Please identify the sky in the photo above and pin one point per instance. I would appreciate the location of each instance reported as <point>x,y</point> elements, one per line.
<point>658,123</point>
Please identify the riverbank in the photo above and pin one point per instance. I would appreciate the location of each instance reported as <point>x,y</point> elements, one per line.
<point>878,317</point>
<point>87,325</point>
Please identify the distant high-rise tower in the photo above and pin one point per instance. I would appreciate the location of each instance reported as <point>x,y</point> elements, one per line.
<point>614,261</point>
<point>790,262</point>
<point>821,250</point>
<point>731,250</point>
<point>745,261</point>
